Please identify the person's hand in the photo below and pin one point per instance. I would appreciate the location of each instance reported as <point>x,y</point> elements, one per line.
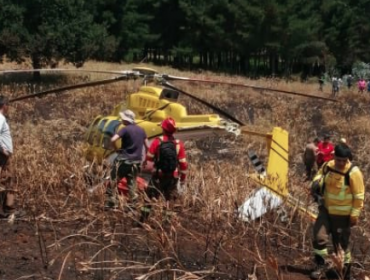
<point>353,221</point>
<point>315,188</point>
<point>144,164</point>
<point>5,152</point>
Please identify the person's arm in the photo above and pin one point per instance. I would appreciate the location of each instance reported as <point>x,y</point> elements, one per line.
<point>5,152</point>
<point>183,164</point>
<point>2,149</point>
<point>152,150</point>
<point>117,136</point>
<point>358,193</point>
<point>317,183</point>
<point>304,155</point>
<point>146,147</point>
<point>114,138</point>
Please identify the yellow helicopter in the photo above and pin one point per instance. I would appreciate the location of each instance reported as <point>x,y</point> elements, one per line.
<point>153,103</point>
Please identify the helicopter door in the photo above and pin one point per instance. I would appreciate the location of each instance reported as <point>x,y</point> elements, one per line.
<point>91,132</point>
<point>108,132</point>
<point>98,133</point>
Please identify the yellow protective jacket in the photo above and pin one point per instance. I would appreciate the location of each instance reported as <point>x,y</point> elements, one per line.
<point>341,198</point>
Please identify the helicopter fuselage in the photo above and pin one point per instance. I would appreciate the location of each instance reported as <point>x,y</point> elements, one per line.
<point>151,106</point>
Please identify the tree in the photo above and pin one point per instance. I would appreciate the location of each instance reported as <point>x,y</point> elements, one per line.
<point>53,30</point>
<point>12,31</point>
<point>301,45</point>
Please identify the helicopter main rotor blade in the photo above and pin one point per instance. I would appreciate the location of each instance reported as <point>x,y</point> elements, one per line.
<point>215,108</point>
<point>57,90</point>
<point>176,78</point>
<point>60,70</point>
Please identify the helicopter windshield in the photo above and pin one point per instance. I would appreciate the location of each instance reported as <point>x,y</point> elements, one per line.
<point>169,94</point>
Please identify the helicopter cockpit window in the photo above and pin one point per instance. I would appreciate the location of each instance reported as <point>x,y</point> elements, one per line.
<point>92,130</point>
<point>99,132</point>
<point>169,94</point>
<point>108,132</point>
<point>101,125</point>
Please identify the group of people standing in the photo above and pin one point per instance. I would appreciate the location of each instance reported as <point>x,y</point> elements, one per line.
<point>165,152</point>
<point>338,188</point>
<point>316,153</point>
<point>349,80</point>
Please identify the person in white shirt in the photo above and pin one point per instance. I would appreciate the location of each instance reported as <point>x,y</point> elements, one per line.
<point>6,150</point>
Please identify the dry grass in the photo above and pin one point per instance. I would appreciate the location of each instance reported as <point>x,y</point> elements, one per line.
<point>204,240</point>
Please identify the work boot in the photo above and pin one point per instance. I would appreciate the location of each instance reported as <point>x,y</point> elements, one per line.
<point>320,270</point>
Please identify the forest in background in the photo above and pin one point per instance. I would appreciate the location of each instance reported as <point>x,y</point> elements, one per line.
<point>248,37</point>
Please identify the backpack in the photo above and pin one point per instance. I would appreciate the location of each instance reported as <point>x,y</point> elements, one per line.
<point>327,169</point>
<point>166,159</point>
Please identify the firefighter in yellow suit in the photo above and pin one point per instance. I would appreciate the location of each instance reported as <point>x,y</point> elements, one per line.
<point>338,187</point>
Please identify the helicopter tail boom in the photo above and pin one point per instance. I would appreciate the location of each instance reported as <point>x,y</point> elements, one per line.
<point>273,180</point>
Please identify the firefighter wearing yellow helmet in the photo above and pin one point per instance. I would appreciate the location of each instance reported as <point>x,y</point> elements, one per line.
<point>338,187</point>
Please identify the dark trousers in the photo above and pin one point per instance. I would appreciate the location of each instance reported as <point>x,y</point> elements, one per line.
<point>336,226</point>
<point>310,170</point>
<point>123,169</point>
<point>165,186</point>
<point>5,204</point>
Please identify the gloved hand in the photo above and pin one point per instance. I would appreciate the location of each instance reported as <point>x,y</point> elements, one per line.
<point>315,188</point>
<point>353,221</point>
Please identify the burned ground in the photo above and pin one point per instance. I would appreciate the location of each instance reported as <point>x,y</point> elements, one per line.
<point>66,234</point>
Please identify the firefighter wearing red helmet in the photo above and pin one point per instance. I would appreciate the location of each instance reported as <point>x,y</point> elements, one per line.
<point>169,126</point>
<point>170,165</point>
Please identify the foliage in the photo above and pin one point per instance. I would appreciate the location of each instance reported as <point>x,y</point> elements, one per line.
<point>361,70</point>
<point>279,37</point>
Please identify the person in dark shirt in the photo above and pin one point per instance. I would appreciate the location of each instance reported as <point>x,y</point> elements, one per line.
<point>309,158</point>
<point>130,155</point>
<point>349,81</point>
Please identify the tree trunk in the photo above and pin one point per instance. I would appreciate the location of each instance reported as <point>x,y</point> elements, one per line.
<point>36,64</point>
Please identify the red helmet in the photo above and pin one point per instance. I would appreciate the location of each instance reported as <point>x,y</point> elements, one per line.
<point>169,125</point>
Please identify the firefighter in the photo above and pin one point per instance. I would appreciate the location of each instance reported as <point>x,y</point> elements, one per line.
<point>325,151</point>
<point>170,165</point>
<point>338,188</point>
